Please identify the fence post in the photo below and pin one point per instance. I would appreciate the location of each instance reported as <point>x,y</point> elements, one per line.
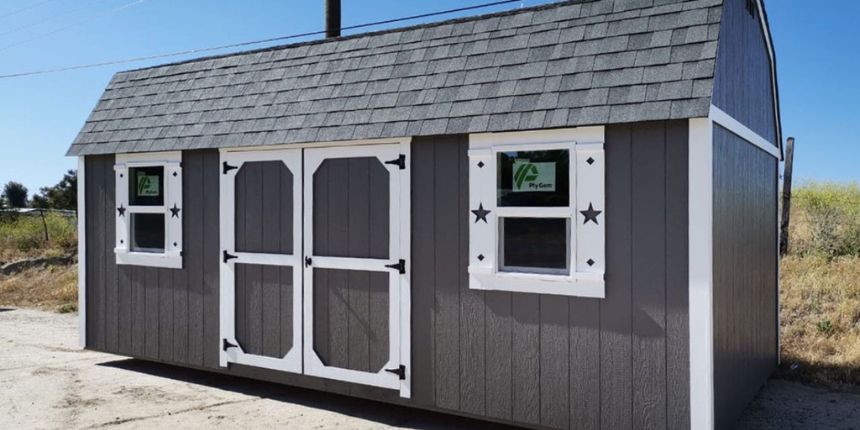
<point>786,197</point>
<point>44,223</point>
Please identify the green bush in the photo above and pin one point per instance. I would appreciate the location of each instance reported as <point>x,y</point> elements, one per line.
<point>26,232</point>
<point>825,219</point>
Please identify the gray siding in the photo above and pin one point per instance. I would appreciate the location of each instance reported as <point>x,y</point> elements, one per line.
<point>742,80</point>
<point>534,360</point>
<point>745,268</point>
<point>159,314</point>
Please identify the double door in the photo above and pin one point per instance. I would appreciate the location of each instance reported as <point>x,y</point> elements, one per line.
<point>314,262</point>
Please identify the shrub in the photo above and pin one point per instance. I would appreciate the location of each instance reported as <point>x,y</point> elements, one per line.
<point>825,220</point>
<point>25,233</point>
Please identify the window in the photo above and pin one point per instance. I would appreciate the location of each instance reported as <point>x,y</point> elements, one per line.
<point>537,201</point>
<point>149,209</point>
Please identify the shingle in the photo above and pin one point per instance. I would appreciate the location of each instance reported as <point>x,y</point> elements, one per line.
<point>669,72</point>
<point>614,78</point>
<point>601,46</point>
<point>617,60</point>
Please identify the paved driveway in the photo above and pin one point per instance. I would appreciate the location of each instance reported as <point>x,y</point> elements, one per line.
<point>46,382</point>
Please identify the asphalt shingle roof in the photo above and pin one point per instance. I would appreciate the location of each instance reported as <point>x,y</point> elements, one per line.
<point>559,65</point>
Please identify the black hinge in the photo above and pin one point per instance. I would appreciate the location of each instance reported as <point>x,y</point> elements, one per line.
<point>400,161</point>
<point>228,257</point>
<point>400,266</point>
<point>228,167</point>
<point>225,345</point>
<point>308,262</point>
<point>399,371</point>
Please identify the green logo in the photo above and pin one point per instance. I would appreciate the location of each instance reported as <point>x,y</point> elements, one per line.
<point>533,177</point>
<point>525,172</point>
<point>147,185</point>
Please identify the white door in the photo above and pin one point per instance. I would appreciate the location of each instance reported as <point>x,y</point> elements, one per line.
<point>261,246</point>
<point>356,248</point>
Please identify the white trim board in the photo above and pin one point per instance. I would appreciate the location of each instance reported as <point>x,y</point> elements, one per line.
<point>82,253</point>
<point>726,121</point>
<point>765,29</point>
<point>701,273</point>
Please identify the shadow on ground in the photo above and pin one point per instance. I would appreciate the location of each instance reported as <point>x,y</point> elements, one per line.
<point>6,309</point>
<point>382,413</point>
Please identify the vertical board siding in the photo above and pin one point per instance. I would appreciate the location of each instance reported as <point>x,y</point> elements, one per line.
<point>149,312</point>
<point>745,268</point>
<point>742,79</point>
<point>555,361</point>
<point>529,359</point>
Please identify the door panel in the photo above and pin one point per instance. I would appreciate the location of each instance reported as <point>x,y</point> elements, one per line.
<point>264,309</point>
<point>351,208</point>
<point>261,306</point>
<point>351,327</point>
<point>264,210</point>
<point>356,312</point>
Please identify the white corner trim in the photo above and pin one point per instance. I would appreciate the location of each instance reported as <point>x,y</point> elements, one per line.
<point>775,87</point>
<point>701,272</point>
<point>725,120</point>
<point>82,254</point>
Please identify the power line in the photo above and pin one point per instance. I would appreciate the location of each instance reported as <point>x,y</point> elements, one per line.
<point>25,8</point>
<point>249,43</point>
<point>43,35</point>
<point>49,18</point>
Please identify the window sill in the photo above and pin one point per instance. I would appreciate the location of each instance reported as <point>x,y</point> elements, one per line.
<point>168,260</point>
<point>589,285</point>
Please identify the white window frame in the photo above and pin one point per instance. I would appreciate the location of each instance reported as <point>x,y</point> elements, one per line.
<point>585,241</point>
<point>172,256</point>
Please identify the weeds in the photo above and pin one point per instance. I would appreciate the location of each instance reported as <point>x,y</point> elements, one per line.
<point>825,220</point>
<point>23,236</point>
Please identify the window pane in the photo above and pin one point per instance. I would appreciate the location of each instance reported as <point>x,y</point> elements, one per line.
<point>538,245</point>
<point>147,232</point>
<point>146,186</point>
<point>534,178</point>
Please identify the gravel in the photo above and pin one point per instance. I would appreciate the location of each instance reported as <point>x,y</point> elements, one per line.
<point>48,382</point>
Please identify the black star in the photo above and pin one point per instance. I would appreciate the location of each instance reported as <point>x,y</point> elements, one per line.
<point>590,214</point>
<point>174,211</point>
<point>480,213</point>
<point>121,210</point>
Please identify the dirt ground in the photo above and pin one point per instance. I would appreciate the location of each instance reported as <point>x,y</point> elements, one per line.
<point>47,382</point>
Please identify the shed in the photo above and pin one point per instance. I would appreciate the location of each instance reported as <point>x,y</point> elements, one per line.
<point>561,216</point>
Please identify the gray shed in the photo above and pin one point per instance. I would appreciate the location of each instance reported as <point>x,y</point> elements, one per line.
<point>558,217</point>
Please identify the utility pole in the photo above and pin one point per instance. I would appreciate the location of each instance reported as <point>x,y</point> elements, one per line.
<point>332,18</point>
<point>786,197</point>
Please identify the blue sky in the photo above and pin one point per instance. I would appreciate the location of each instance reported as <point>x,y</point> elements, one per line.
<point>40,115</point>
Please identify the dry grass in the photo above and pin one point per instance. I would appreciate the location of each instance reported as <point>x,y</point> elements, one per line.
<point>820,286</point>
<point>820,319</point>
<point>53,288</point>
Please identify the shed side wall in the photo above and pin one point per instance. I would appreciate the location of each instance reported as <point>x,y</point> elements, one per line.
<point>742,80</point>
<point>535,360</point>
<point>745,270</point>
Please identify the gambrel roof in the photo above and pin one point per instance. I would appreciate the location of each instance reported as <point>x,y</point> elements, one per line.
<point>559,65</point>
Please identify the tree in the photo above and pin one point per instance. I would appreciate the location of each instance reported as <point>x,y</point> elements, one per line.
<point>15,194</point>
<point>64,195</point>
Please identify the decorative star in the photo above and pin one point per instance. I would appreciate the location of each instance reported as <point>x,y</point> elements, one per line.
<point>121,210</point>
<point>480,213</point>
<point>590,214</point>
<point>590,161</point>
<point>174,211</point>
